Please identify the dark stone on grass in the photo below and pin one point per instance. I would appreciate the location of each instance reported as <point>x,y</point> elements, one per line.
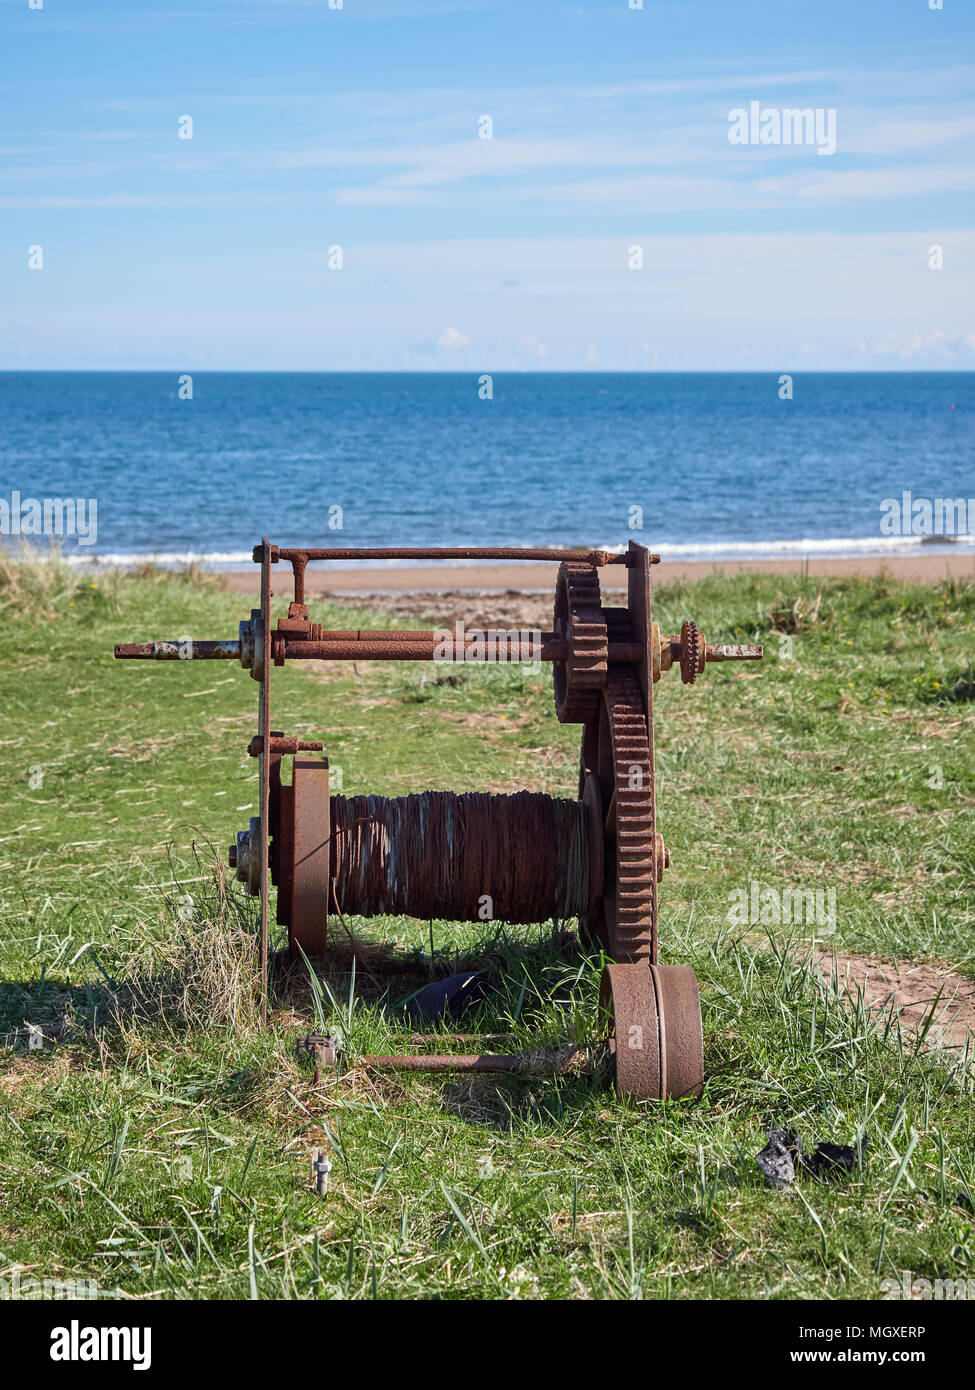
<point>832,1160</point>
<point>783,1157</point>
<point>446,998</point>
<point>779,1158</point>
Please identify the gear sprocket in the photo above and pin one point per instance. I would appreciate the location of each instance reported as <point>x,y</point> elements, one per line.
<point>579,620</point>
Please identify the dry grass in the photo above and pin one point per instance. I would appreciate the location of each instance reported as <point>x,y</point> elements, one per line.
<point>796,616</point>
<point>202,970</point>
<point>35,580</point>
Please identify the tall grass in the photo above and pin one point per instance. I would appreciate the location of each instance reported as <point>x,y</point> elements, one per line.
<point>197,966</point>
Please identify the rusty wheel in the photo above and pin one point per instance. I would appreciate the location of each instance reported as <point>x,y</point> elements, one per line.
<point>302,856</point>
<point>579,620</point>
<point>679,1001</point>
<point>653,1016</point>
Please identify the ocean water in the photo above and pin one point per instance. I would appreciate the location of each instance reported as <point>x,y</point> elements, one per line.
<point>714,465</point>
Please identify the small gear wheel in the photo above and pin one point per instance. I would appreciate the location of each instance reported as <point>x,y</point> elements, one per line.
<point>691,653</point>
<point>579,620</point>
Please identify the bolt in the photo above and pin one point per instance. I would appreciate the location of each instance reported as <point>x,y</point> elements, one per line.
<point>321,1168</point>
<point>324,1049</point>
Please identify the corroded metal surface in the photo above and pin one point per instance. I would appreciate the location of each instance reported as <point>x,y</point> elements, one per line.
<point>631,905</point>
<point>579,622</point>
<point>654,1020</point>
<point>310,849</point>
<point>178,651</point>
<point>628,1009</point>
<point>262,672</point>
<point>412,552</point>
<point>521,858</point>
<point>543,1061</point>
<point>692,653</point>
<point>679,1009</point>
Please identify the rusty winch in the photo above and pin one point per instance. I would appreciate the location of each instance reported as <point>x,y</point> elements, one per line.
<point>521,858</point>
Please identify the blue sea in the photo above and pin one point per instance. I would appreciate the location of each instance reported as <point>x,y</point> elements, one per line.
<point>713,465</point>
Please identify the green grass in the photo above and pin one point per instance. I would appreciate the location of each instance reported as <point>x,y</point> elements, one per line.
<point>162,1146</point>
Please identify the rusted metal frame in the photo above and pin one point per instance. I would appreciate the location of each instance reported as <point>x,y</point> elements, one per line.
<point>264,766</point>
<point>559,647</point>
<point>298,565</point>
<point>304,554</point>
<point>380,644</point>
<point>585,1057</point>
<point>289,648</point>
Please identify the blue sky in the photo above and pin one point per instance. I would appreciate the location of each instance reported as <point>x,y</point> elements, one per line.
<point>358,127</point>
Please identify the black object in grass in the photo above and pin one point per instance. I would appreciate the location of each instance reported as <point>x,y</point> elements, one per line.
<point>783,1157</point>
<point>446,998</point>
<point>780,1157</point>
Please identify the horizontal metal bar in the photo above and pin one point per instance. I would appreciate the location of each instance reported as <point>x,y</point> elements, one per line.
<point>425,649</point>
<point>451,1037</point>
<point>540,1063</point>
<point>589,557</point>
<point>186,650</point>
<point>378,646</point>
<point>727,651</point>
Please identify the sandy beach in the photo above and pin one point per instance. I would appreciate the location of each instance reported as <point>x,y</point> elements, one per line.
<point>540,576</point>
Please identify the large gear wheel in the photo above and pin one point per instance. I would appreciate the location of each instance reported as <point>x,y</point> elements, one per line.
<point>616,754</point>
<point>632,925</point>
<point>579,620</point>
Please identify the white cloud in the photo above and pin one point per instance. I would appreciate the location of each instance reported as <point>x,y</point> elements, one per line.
<point>853,184</point>
<point>933,344</point>
<point>452,341</point>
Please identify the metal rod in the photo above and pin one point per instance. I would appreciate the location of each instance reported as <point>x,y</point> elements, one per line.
<point>725,651</point>
<point>589,557</point>
<point>550,649</point>
<point>186,650</point>
<point>451,1037</point>
<point>541,1063</point>
<point>419,644</point>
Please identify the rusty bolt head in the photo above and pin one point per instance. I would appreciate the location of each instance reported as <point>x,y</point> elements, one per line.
<point>323,1047</point>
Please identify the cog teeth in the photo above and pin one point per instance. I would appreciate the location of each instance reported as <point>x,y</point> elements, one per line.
<point>634,930</point>
<point>584,673</point>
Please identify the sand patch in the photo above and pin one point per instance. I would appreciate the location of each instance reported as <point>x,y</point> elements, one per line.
<point>918,995</point>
